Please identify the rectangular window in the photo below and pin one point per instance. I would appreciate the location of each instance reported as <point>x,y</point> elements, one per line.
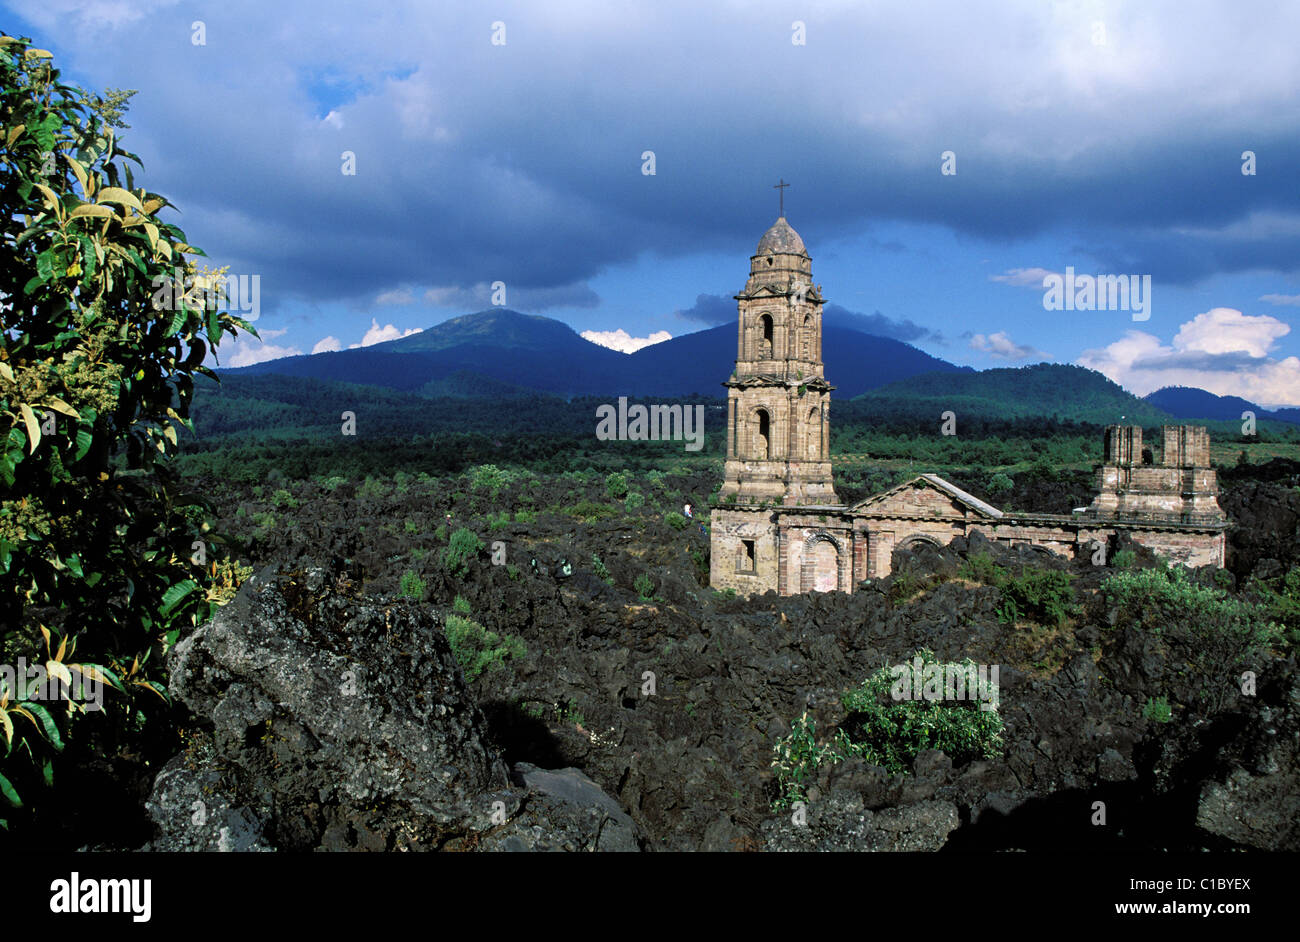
<point>745,556</point>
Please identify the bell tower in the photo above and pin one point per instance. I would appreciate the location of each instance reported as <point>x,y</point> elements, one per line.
<point>778,400</point>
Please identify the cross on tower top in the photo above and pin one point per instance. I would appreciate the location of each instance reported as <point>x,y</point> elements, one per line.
<point>780,188</point>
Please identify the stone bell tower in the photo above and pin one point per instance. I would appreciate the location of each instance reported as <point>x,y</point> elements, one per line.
<point>778,400</point>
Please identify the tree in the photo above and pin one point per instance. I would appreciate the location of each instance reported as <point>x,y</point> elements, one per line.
<point>104,320</point>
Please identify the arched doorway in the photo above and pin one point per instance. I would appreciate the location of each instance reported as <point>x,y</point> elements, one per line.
<point>823,560</point>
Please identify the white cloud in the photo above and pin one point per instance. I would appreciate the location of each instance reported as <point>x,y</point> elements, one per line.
<point>1291,300</point>
<point>1023,277</point>
<point>1002,347</point>
<point>621,340</point>
<point>396,296</point>
<point>377,334</point>
<point>327,345</point>
<point>1222,350</point>
<point>246,350</point>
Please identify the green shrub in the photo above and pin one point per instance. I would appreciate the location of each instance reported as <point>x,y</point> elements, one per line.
<point>526,516</point>
<point>1158,710</point>
<point>283,500</point>
<point>645,588</point>
<point>498,521</point>
<point>590,511</point>
<point>412,585</point>
<point>460,606</point>
<point>1124,559</point>
<point>676,520</point>
<point>634,500</point>
<point>980,567</point>
<point>463,546</point>
<point>599,569</point>
<point>1000,484</point>
<point>410,526</point>
<point>476,649</point>
<point>1281,601</point>
<point>490,478</point>
<point>98,366</point>
<point>263,523</point>
<point>1044,595</point>
<point>1210,636</point>
<point>371,489</point>
<point>891,732</point>
<point>616,485</point>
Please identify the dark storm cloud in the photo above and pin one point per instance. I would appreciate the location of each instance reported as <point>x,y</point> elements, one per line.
<point>523,162</point>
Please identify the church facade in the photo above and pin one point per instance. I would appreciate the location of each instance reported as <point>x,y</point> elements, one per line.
<point>777,523</point>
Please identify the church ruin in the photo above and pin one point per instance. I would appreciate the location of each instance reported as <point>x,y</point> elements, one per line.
<point>778,523</point>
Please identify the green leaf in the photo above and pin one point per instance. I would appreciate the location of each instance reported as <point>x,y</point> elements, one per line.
<point>47,723</point>
<point>11,794</point>
<point>173,596</point>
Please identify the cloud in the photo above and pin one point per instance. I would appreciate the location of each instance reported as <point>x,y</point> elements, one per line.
<point>377,334</point>
<point>710,309</point>
<point>1001,347</point>
<point>1291,300</point>
<point>714,309</point>
<point>246,350</point>
<point>1222,350</point>
<point>327,345</point>
<point>481,296</point>
<point>621,340</point>
<point>399,296</point>
<point>877,324</point>
<point>1023,277</point>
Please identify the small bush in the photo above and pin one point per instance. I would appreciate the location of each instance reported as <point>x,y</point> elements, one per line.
<point>477,650</point>
<point>1158,710</point>
<point>410,526</point>
<point>463,547</point>
<point>602,573</point>
<point>371,489</point>
<point>412,586</point>
<point>283,500</point>
<point>1045,595</point>
<point>1124,559</point>
<point>634,500</point>
<point>264,523</point>
<point>498,521</point>
<point>1210,636</point>
<point>616,485</point>
<point>460,606</point>
<point>590,511</point>
<point>490,478</point>
<point>645,588</point>
<point>1000,484</point>
<point>676,520</point>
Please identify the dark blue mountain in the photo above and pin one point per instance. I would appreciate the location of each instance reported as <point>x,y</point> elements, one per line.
<point>526,352</point>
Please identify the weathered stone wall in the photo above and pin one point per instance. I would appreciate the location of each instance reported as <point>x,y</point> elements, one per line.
<point>730,529</point>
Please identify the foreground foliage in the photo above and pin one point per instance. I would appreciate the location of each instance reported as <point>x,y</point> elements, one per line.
<point>889,725</point>
<point>101,551</point>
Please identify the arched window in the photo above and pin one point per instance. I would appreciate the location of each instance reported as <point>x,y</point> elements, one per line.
<point>762,435</point>
<point>814,435</point>
<point>765,342</point>
<point>806,340</point>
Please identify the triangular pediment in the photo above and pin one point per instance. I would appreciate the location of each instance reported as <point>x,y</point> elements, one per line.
<point>926,495</point>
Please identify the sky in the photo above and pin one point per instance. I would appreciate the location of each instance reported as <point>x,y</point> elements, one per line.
<point>943,159</point>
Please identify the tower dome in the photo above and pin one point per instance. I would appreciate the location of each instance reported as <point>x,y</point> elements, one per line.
<point>781,240</point>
